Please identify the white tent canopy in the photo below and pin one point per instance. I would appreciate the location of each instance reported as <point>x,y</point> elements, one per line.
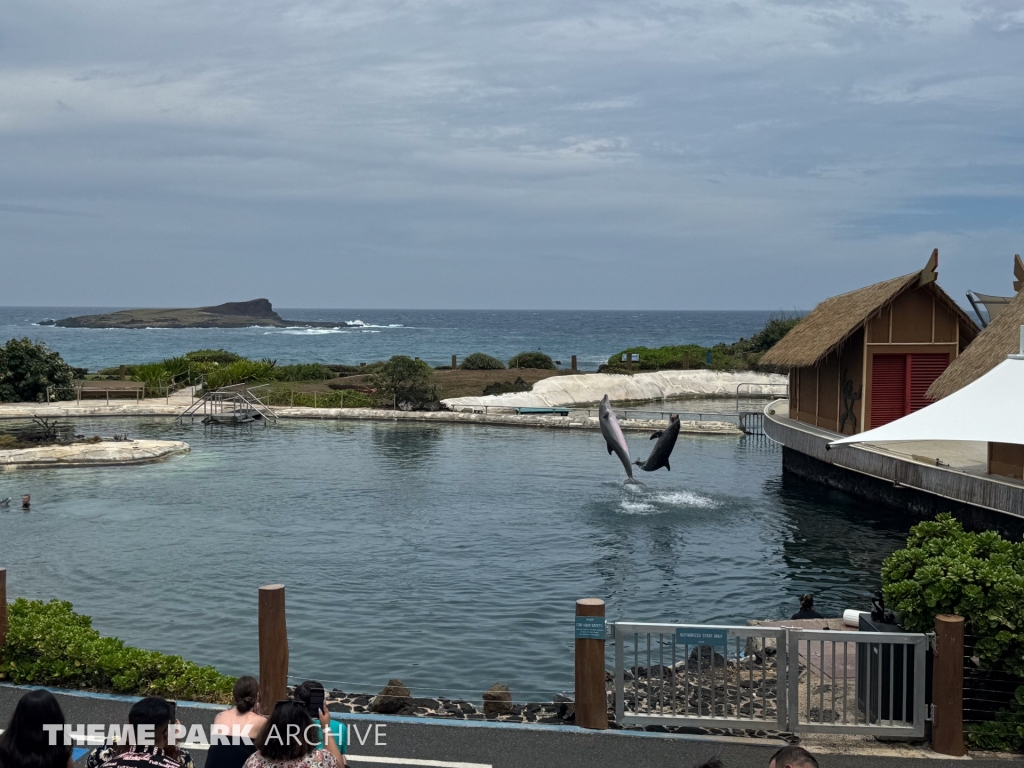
<point>989,409</point>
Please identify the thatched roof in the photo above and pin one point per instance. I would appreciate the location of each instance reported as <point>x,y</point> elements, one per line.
<point>989,349</point>
<point>834,320</point>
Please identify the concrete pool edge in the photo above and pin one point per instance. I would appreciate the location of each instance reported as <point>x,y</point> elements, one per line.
<point>133,410</point>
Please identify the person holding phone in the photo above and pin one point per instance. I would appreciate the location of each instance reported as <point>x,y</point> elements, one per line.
<point>288,740</point>
<point>312,696</point>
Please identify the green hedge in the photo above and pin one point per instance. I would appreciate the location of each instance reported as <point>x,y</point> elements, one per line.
<point>50,644</point>
<point>979,576</point>
<point>478,361</point>
<point>532,360</point>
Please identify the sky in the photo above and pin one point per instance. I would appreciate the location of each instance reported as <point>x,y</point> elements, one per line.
<point>557,154</point>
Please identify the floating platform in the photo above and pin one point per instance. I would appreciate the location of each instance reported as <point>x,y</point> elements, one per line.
<point>107,453</point>
<point>923,478</point>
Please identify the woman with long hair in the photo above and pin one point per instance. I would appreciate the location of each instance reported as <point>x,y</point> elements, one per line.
<point>290,740</point>
<point>25,744</point>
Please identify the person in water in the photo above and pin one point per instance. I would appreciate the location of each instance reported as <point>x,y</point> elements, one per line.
<point>806,609</point>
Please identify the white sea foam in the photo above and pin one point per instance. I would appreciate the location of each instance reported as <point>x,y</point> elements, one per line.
<point>307,331</point>
<point>685,499</point>
<point>637,507</point>
<point>361,324</point>
<point>662,502</point>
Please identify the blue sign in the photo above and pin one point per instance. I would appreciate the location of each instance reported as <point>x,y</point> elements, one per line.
<point>590,628</point>
<point>716,638</point>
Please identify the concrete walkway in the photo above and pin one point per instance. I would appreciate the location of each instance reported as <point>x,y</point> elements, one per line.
<point>402,741</point>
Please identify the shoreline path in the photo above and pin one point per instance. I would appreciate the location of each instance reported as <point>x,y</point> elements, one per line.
<point>419,742</point>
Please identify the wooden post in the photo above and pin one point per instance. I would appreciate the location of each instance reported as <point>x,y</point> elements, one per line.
<point>273,647</point>
<point>454,365</point>
<point>574,363</point>
<point>124,372</point>
<point>3,606</point>
<point>591,696</point>
<point>948,686</point>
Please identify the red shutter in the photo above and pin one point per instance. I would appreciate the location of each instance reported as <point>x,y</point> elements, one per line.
<point>888,388</point>
<point>924,369</point>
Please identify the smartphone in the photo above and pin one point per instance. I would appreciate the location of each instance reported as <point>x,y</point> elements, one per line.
<point>316,701</point>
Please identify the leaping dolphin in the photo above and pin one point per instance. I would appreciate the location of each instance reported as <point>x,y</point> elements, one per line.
<point>613,436</point>
<point>662,448</point>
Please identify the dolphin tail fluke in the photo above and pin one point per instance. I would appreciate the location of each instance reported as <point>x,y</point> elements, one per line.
<point>634,481</point>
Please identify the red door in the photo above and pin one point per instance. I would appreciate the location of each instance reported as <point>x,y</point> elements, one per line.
<point>899,383</point>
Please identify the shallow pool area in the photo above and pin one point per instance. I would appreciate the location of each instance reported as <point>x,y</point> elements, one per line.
<point>448,556</point>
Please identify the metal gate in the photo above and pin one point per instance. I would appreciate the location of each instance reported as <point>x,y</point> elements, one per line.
<point>755,677</point>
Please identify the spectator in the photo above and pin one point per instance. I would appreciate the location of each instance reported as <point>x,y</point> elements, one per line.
<point>288,739</point>
<point>303,695</point>
<point>792,757</point>
<point>154,712</point>
<point>806,609</point>
<point>244,718</point>
<point>25,744</point>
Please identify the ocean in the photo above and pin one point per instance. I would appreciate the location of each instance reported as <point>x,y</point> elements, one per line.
<point>365,335</point>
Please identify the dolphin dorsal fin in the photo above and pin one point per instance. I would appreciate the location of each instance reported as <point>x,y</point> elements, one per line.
<point>667,466</point>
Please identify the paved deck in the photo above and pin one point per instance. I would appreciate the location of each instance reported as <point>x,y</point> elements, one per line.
<point>945,470</point>
<point>400,742</point>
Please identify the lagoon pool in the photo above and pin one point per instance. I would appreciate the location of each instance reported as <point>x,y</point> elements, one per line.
<point>448,556</point>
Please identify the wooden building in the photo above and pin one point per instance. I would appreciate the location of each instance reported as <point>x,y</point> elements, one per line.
<point>1000,338</point>
<point>868,357</point>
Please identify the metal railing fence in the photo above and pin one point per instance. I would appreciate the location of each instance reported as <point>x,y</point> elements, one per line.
<point>739,684</point>
<point>756,677</point>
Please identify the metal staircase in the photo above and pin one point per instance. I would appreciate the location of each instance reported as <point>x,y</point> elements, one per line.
<point>234,405</point>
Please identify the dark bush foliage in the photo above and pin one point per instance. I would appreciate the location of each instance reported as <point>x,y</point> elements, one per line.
<point>219,356</point>
<point>506,387</point>
<point>402,381</point>
<point>49,644</point>
<point>478,361</point>
<point>532,360</point>
<point>28,369</point>
<point>303,372</point>
<point>979,576</point>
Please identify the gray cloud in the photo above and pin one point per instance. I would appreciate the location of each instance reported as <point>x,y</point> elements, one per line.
<point>538,154</point>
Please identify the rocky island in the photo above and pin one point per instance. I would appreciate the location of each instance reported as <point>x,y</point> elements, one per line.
<point>238,314</point>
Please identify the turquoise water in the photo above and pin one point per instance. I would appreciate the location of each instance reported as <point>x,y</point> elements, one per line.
<point>448,556</point>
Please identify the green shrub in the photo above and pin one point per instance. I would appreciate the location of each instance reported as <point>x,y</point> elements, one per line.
<point>303,372</point>
<point>240,372</point>
<point>478,361</point>
<point>979,576</point>
<point>28,370</point>
<point>218,356</point>
<point>532,360</point>
<point>778,325</point>
<point>50,644</point>
<point>154,376</point>
<point>402,380</point>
